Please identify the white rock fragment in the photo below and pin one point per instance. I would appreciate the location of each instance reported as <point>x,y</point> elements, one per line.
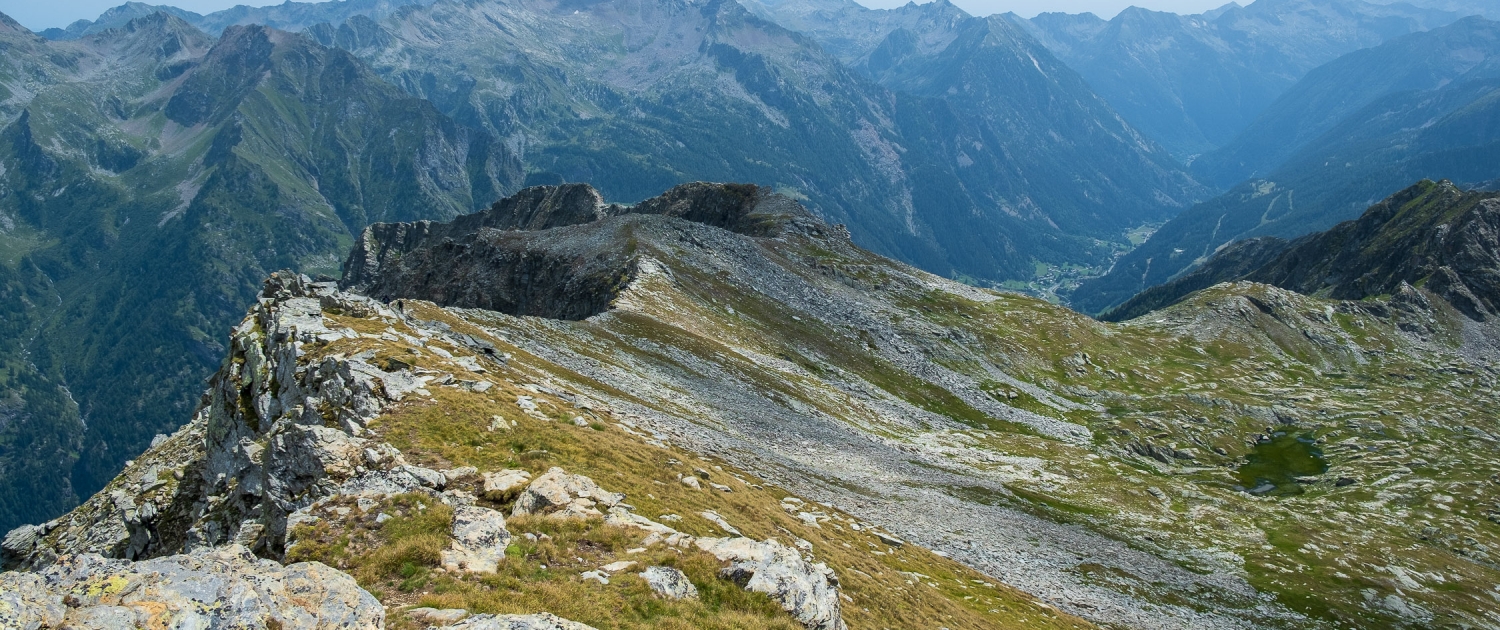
<point>564,495</point>
<point>437,617</point>
<point>718,521</point>
<point>479,540</point>
<point>616,567</point>
<point>810,592</point>
<point>541,621</point>
<point>499,485</point>
<point>669,582</point>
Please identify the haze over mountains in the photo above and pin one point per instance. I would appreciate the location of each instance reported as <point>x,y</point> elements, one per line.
<point>1350,133</point>
<point>1195,82</point>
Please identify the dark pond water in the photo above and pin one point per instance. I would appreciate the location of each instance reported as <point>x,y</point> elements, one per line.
<point>1272,468</point>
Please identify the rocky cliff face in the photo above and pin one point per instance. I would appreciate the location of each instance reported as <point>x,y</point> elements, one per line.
<point>508,259</point>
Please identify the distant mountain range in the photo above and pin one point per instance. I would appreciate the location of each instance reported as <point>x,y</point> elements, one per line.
<point>151,174</point>
<point>1431,235</point>
<point>287,16</point>
<point>1421,106</point>
<point>1195,82</point>
<point>975,156</point>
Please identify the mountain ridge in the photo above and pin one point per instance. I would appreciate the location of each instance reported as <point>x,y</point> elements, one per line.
<point>156,173</point>
<point>1432,235</point>
<point>1398,137</point>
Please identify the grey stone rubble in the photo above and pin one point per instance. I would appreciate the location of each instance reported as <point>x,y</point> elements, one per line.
<point>222,588</point>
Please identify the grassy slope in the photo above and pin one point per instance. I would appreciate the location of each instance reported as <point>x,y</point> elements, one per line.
<point>397,560</point>
<point>1211,373</point>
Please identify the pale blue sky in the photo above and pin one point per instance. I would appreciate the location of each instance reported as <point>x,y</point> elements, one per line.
<point>40,14</point>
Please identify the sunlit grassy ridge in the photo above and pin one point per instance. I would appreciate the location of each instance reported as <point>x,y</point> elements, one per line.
<point>398,559</point>
<point>1387,409</point>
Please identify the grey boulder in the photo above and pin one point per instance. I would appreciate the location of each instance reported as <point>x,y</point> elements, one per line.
<point>669,582</point>
<point>479,540</point>
<point>224,588</point>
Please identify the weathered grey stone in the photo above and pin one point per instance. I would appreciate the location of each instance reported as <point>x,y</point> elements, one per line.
<point>540,621</point>
<point>498,486</point>
<point>808,591</point>
<point>622,517</point>
<point>564,495</point>
<point>718,521</point>
<point>225,588</point>
<point>27,604</point>
<point>669,582</point>
<point>479,540</point>
<point>437,617</point>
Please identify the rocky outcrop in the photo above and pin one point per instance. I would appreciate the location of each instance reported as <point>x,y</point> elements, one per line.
<point>280,428</point>
<point>549,251</point>
<point>810,592</point>
<point>564,495</point>
<point>224,588</point>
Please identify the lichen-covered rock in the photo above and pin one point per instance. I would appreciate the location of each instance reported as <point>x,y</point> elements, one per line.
<point>669,582</point>
<point>499,485</point>
<point>26,604</point>
<point>437,617</point>
<point>621,517</point>
<point>564,495</point>
<point>541,621</point>
<point>810,592</point>
<point>278,430</point>
<point>479,540</point>
<point>225,588</point>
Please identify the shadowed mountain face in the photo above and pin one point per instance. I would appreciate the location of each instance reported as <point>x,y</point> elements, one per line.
<point>149,177</point>
<point>976,158</point>
<point>1195,82</point>
<point>1431,235</point>
<point>287,16</point>
<point>518,257</point>
<point>1444,127</point>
